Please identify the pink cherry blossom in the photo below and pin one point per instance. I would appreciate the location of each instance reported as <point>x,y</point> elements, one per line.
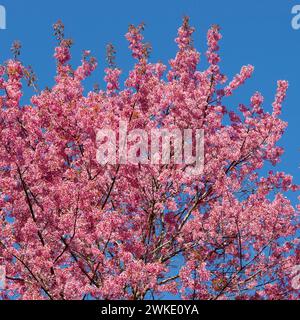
<point>72,228</point>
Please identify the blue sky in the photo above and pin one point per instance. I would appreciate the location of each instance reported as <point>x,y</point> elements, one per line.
<point>254,32</point>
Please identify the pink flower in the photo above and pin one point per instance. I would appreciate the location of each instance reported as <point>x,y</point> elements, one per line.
<point>282,87</point>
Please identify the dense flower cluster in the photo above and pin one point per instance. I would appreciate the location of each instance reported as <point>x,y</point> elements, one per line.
<point>73,229</point>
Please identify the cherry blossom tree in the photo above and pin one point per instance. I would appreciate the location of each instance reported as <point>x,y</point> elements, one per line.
<point>74,229</point>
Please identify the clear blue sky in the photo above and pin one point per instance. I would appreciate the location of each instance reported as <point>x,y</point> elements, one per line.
<point>254,32</point>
